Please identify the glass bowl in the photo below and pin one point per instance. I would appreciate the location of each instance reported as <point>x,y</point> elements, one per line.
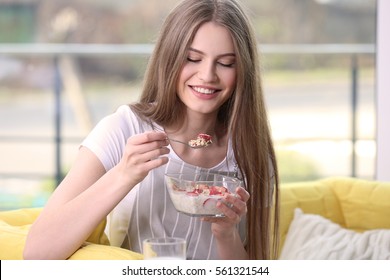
<point>197,194</point>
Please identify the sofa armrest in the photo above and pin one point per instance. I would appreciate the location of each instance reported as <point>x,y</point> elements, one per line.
<point>314,197</point>
<point>92,251</point>
<point>20,217</point>
<point>15,224</point>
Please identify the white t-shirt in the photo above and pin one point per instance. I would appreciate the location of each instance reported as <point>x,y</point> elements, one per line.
<point>147,210</point>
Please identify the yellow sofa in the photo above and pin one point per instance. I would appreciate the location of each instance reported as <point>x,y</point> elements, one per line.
<point>354,204</point>
<point>338,218</point>
<point>14,225</point>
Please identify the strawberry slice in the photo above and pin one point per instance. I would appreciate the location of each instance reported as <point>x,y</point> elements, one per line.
<point>195,192</point>
<point>210,204</point>
<point>216,190</point>
<point>204,136</point>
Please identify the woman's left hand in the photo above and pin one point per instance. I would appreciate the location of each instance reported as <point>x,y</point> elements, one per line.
<point>234,206</point>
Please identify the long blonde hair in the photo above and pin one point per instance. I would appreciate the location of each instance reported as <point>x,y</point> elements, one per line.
<point>243,115</point>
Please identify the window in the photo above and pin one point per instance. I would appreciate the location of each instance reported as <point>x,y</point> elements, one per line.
<point>318,63</point>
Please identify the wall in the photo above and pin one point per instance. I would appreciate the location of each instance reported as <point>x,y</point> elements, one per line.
<point>383,91</point>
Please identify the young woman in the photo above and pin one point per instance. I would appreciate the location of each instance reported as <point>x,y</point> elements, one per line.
<point>203,77</point>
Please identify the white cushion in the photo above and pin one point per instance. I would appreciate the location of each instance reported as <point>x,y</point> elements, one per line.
<point>315,237</point>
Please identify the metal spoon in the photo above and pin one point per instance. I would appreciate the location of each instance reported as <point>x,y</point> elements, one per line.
<point>188,144</point>
<point>200,136</point>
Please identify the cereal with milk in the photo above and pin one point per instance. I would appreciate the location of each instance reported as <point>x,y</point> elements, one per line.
<point>203,140</point>
<point>200,201</point>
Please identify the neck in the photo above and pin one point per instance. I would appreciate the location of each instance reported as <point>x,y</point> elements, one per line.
<point>190,127</point>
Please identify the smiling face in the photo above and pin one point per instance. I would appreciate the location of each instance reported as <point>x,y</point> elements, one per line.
<point>208,77</point>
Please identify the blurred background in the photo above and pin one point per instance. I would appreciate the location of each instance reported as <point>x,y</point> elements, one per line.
<point>66,64</point>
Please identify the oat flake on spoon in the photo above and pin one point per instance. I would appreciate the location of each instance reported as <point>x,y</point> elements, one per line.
<point>202,140</point>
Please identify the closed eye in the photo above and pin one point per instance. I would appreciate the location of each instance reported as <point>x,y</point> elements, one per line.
<point>192,60</point>
<point>229,65</point>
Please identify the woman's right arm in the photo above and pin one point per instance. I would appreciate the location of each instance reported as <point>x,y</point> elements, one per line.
<point>88,194</point>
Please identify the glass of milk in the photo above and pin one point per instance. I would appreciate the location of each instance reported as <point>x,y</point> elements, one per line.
<point>164,248</point>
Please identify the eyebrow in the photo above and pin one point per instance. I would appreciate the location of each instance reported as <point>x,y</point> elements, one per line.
<point>221,55</point>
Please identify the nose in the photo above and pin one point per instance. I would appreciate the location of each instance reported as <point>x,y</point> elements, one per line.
<point>207,72</point>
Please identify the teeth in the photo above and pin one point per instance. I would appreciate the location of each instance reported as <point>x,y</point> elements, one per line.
<point>204,90</point>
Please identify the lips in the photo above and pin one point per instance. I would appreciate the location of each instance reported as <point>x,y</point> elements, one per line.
<point>206,91</point>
